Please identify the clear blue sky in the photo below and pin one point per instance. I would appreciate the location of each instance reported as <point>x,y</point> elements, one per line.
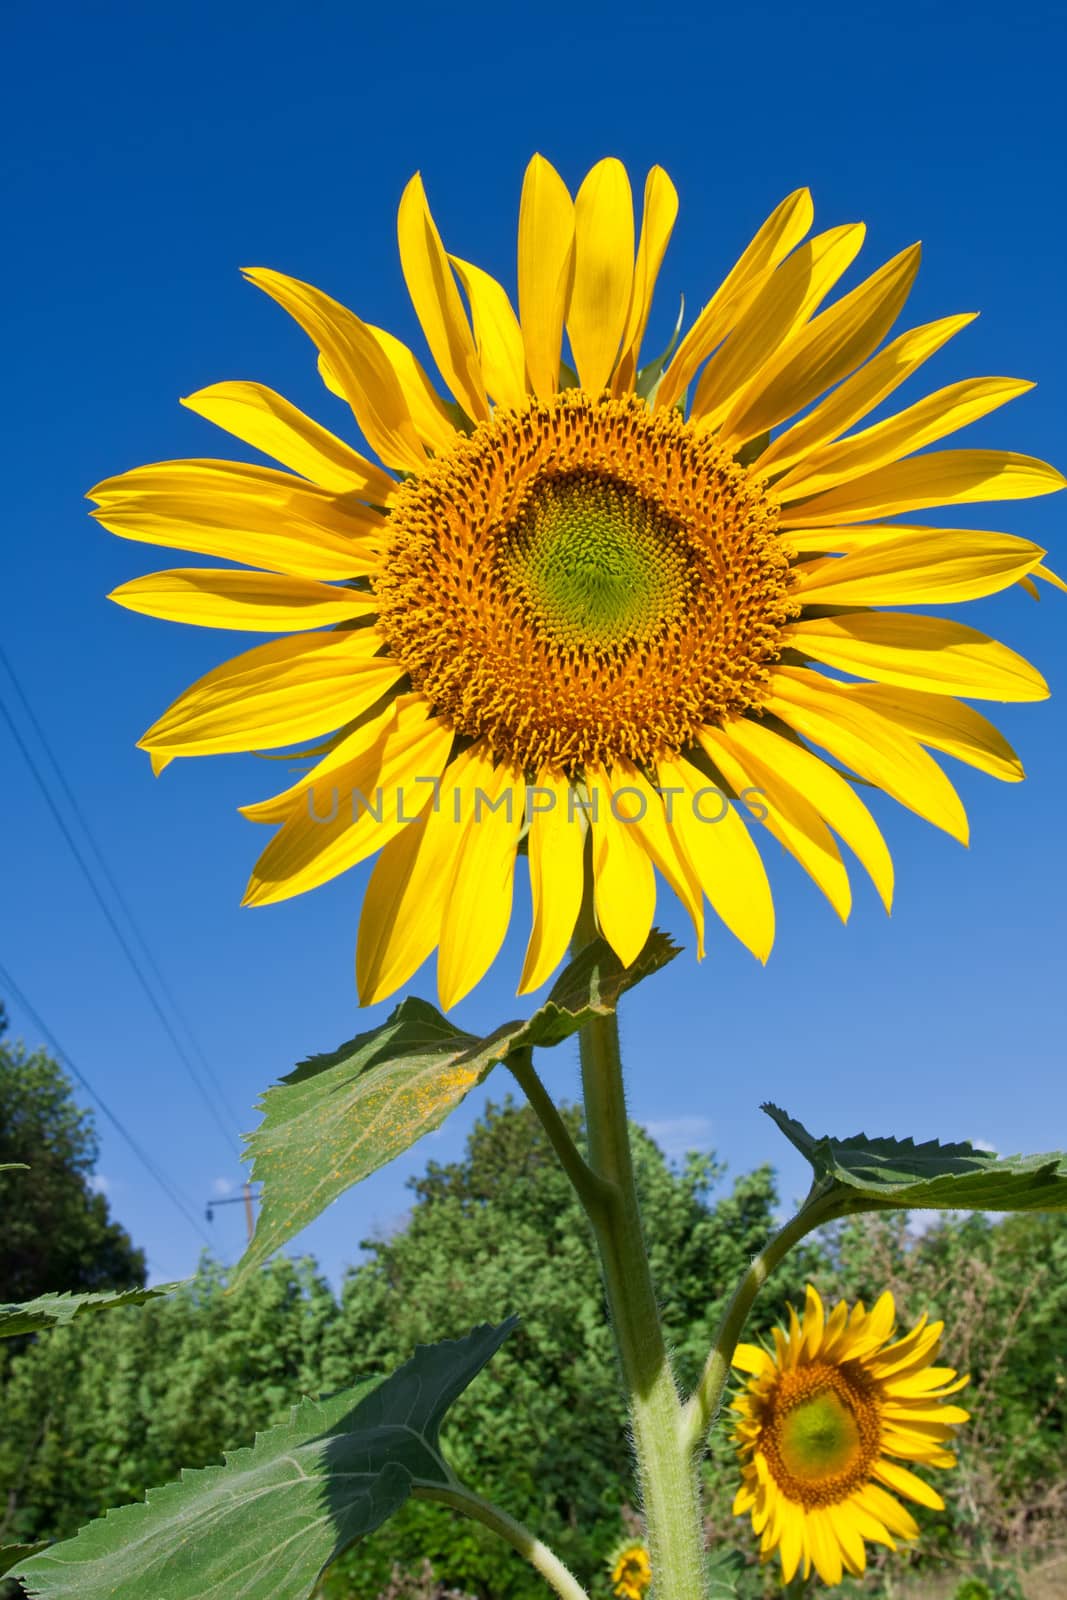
<point>148,153</point>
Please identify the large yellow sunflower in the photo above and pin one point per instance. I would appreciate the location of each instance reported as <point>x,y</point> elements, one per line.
<point>591,601</point>
<point>823,1426</point>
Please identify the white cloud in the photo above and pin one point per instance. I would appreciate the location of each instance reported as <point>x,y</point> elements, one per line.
<point>984,1144</point>
<point>223,1186</point>
<point>678,1135</point>
<point>100,1184</point>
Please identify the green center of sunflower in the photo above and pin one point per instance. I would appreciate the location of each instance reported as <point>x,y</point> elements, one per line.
<point>820,1431</point>
<point>597,564</point>
<point>819,1438</point>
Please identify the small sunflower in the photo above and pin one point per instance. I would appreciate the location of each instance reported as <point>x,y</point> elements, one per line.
<point>591,600</point>
<point>631,1570</point>
<point>823,1426</point>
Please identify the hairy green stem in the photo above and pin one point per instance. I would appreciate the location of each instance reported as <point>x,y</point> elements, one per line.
<point>666,1466</point>
<point>593,1191</point>
<point>703,1405</point>
<point>521,1539</point>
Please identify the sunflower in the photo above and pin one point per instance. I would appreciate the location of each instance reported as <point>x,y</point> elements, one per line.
<point>584,611</point>
<point>631,1570</point>
<point>823,1426</point>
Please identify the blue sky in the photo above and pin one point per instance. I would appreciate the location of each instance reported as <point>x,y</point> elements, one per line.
<point>149,153</point>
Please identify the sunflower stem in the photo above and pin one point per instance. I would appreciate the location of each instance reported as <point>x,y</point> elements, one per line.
<point>703,1405</point>
<point>665,1460</point>
<point>593,1191</point>
<point>472,1505</point>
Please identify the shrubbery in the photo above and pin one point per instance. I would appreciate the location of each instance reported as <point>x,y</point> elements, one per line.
<point>97,1412</point>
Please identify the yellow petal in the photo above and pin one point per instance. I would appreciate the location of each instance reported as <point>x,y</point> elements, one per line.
<point>786,814</point>
<point>859,394</point>
<point>888,1511</point>
<point>279,693</point>
<point>752,1358</point>
<point>262,602</point>
<point>268,422</point>
<point>478,898</point>
<point>255,515</point>
<point>436,300</point>
<point>941,478</point>
<point>783,229</point>
<point>929,419</point>
<point>944,724</point>
<point>825,1550</point>
<point>650,825</point>
<point>1050,577</point>
<point>870,745</point>
<point>357,736</point>
<point>497,334</point>
<point>366,803</point>
<point>357,363</point>
<point>546,268</point>
<point>556,845</point>
<point>657,224</point>
<point>823,351</point>
<point>603,272</point>
<point>721,852</point>
<point>919,653</point>
<point>400,921</point>
<point>783,305</point>
<point>814,1321</point>
<point>848,1538</point>
<point>905,1482</point>
<point>624,884</point>
<point>835,800</point>
<point>433,424</point>
<point>922,567</point>
<point>791,1545</point>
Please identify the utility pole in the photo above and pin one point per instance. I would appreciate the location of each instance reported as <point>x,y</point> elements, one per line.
<point>247,1197</point>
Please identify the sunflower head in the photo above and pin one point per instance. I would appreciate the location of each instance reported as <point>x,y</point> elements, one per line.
<point>630,1569</point>
<point>580,607</point>
<point>823,1426</point>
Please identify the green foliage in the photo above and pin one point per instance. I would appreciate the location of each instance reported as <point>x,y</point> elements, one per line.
<point>861,1174</point>
<point>267,1522</point>
<point>11,1555</point>
<point>339,1117</point>
<point>107,1406</point>
<point>56,1310</point>
<point>57,1234</point>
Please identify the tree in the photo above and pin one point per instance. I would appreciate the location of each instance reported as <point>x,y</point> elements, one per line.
<point>57,1233</point>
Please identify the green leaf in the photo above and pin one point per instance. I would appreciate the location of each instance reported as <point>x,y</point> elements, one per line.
<point>861,1174</point>
<point>265,1525</point>
<point>337,1118</point>
<point>12,1554</point>
<point>53,1310</point>
<point>13,1166</point>
<point>722,1570</point>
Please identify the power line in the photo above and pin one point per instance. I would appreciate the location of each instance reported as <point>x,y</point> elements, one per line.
<point>42,784</point>
<point>173,1195</point>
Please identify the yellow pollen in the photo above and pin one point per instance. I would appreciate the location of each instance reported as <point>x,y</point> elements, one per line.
<point>820,1431</point>
<point>585,581</point>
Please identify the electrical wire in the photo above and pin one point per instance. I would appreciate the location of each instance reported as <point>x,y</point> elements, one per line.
<point>227,1130</point>
<point>173,1194</point>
